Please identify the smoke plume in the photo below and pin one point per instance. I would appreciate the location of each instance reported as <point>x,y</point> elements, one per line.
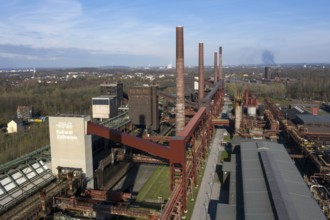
<point>268,57</point>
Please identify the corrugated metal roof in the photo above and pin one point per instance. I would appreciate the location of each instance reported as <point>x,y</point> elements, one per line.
<point>289,195</point>
<point>257,204</point>
<point>294,191</point>
<point>226,211</point>
<point>293,112</point>
<point>314,119</point>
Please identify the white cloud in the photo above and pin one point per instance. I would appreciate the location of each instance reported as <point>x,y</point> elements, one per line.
<point>64,24</point>
<point>18,56</point>
<point>105,28</point>
<point>40,24</point>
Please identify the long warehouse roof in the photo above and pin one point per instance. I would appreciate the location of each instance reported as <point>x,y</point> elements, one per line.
<point>272,185</point>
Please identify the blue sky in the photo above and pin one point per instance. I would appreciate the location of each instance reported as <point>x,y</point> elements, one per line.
<point>68,33</point>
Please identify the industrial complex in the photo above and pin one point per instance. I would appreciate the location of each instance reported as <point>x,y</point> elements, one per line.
<point>100,166</point>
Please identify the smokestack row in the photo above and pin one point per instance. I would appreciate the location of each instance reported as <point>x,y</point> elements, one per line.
<point>180,95</point>
<point>201,72</point>
<point>180,99</point>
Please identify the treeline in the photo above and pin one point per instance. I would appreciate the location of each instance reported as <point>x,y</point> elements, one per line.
<point>18,144</point>
<point>311,84</point>
<point>49,99</point>
<point>276,90</point>
<point>73,96</point>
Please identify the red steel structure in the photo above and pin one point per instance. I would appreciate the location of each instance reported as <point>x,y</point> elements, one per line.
<point>183,169</point>
<point>185,152</point>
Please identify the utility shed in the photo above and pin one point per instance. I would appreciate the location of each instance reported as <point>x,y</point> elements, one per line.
<point>12,127</point>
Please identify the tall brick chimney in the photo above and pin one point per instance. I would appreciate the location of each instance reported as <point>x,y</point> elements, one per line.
<point>201,72</point>
<point>180,102</point>
<point>220,63</point>
<point>215,67</point>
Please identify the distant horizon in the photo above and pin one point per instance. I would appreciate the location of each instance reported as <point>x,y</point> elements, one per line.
<point>164,66</point>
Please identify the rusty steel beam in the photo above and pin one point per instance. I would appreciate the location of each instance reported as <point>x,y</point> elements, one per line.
<point>157,138</point>
<point>141,159</point>
<point>175,153</point>
<point>201,73</point>
<point>189,112</point>
<point>152,148</point>
<point>296,156</point>
<point>193,123</point>
<point>100,170</point>
<point>91,207</point>
<point>220,122</point>
<point>129,140</point>
<point>180,99</point>
<point>173,98</point>
<point>206,102</point>
<point>171,203</point>
<point>317,135</point>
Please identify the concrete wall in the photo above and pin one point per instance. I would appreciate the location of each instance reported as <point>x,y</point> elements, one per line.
<point>70,144</point>
<point>105,110</point>
<point>143,106</point>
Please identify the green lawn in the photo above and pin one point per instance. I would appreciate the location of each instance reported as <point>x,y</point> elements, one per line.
<point>322,112</point>
<point>158,185</point>
<point>224,156</point>
<point>227,138</point>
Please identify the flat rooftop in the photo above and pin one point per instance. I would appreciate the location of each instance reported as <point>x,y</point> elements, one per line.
<point>272,186</point>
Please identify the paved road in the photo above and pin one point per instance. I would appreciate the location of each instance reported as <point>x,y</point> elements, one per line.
<point>205,191</point>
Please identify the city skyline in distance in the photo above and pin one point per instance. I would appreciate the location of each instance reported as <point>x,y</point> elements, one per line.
<point>71,33</point>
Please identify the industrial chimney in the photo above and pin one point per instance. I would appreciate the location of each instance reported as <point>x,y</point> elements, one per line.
<point>180,99</point>
<point>215,67</point>
<point>238,113</point>
<point>201,72</point>
<point>220,63</point>
<point>268,74</point>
